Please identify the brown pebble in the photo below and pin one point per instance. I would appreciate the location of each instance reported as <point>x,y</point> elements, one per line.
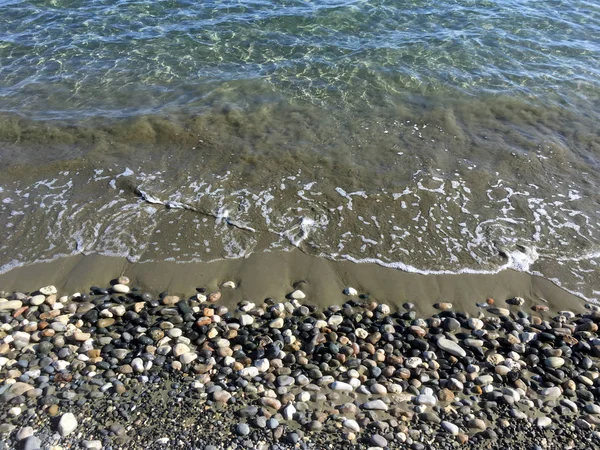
<point>489,301</point>
<point>63,377</point>
<point>53,410</point>
<point>443,306</point>
<point>446,395</point>
<point>20,311</point>
<point>539,308</point>
<point>204,321</point>
<point>462,438</point>
<point>170,300</point>
<point>120,389</point>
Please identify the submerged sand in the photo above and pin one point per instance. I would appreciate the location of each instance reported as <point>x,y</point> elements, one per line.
<point>274,275</point>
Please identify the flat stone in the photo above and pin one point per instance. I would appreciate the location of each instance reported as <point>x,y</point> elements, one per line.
<point>121,288</point>
<point>451,347</point>
<point>10,305</point>
<point>298,295</point>
<point>92,445</point>
<point>341,386</point>
<point>375,405</point>
<point>48,290</point>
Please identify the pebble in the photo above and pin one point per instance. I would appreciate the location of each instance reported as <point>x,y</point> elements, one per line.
<point>451,347</point>
<point>121,288</point>
<point>242,429</point>
<point>298,295</point>
<point>351,292</point>
<point>377,405</point>
<point>450,427</point>
<point>67,424</point>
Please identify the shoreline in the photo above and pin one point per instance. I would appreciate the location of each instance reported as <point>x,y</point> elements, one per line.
<point>273,274</point>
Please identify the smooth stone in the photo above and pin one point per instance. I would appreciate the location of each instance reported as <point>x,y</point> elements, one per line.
<point>277,323</point>
<point>221,396</point>
<point>555,362</point>
<point>32,443</point>
<point>246,320</point>
<point>425,399</point>
<point>592,408</point>
<point>10,305</point>
<point>552,392</point>
<point>67,424</point>
<point>298,295</point>
<point>450,427</point>
<point>351,292</point>
<point>37,300</point>
<point>543,422</point>
<point>24,433</point>
<point>378,389</point>
<point>351,425</point>
<point>379,441</point>
<point>376,405</point>
<point>341,386</point>
<point>288,412</point>
<point>121,288</point>
<point>242,429</point>
<point>92,445</point>
<point>451,347</point>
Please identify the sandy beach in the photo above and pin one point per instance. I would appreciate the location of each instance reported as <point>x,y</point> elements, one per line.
<point>273,274</point>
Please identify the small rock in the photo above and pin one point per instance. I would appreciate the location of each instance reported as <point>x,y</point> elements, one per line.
<point>351,292</point>
<point>451,347</point>
<point>121,288</point>
<point>67,424</point>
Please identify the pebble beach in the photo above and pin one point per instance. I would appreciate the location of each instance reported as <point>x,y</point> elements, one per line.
<point>120,367</point>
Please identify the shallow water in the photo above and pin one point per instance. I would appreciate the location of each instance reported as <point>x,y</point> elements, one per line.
<point>428,136</point>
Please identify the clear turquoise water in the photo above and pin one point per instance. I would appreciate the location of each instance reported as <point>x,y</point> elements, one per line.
<point>428,136</point>
<point>118,58</point>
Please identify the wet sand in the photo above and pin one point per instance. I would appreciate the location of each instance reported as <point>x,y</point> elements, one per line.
<point>274,274</point>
